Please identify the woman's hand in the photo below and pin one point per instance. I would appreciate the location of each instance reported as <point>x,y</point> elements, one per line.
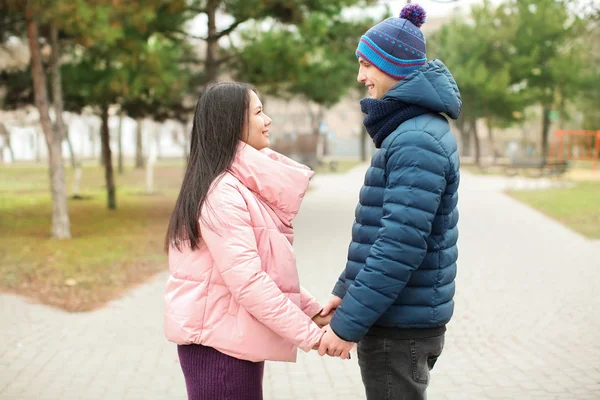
<point>322,320</point>
<point>316,346</point>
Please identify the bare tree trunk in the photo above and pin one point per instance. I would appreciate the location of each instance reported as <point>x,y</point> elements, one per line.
<point>363,144</point>
<point>57,87</point>
<point>139,153</point>
<point>475,136</point>
<point>77,168</point>
<point>102,164</point>
<point>157,137</point>
<point>61,227</point>
<point>152,155</point>
<point>107,160</point>
<point>545,130</point>
<point>465,136</point>
<point>491,138</point>
<point>4,132</point>
<point>315,119</point>
<point>57,97</point>
<point>211,67</point>
<point>38,156</point>
<point>77,182</point>
<point>74,162</point>
<point>120,138</point>
<point>102,160</point>
<point>92,135</point>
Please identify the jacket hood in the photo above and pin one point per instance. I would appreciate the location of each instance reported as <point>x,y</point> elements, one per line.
<point>431,86</point>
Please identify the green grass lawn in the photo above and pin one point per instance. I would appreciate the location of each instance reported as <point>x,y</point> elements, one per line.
<point>576,207</point>
<point>110,250</point>
<point>577,171</point>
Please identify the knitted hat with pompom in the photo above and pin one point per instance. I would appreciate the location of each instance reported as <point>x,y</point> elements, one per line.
<point>396,46</point>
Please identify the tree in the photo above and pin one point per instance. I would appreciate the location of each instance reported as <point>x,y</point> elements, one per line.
<point>483,57</point>
<point>589,94</point>
<point>524,52</point>
<point>29,18</point>
<point>158,91</point>
<point>458,46</point>
<point>328,69</point>
<point>134,64</point>
<point>60,215</point>
<point>543,58</point>
<point>291,12</point>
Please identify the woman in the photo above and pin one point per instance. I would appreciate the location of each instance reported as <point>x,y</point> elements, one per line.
<point>233,299</point>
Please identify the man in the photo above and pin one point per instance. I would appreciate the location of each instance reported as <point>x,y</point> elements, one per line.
<point>398,285</point>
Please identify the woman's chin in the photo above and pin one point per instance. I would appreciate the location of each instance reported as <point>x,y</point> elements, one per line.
<point>265,144</point>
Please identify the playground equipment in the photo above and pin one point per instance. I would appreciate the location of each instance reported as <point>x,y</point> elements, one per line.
<point>579,145</point>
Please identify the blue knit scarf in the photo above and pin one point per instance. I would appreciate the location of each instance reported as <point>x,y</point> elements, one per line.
<point>384,116</point>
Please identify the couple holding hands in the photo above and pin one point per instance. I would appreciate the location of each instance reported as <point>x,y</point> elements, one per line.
<point>233,297</point>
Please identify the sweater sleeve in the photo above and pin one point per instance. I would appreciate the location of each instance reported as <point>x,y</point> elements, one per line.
<point>416,171</point>
<point>228,233</point>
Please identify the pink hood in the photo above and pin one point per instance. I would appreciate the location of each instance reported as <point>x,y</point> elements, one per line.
<point>239,292</point>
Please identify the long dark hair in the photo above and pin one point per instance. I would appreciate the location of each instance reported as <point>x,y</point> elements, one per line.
<point>218,123</point>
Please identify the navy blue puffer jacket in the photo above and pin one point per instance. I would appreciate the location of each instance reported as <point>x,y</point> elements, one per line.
<point>402,259</point>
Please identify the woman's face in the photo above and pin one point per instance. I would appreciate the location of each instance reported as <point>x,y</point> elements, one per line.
<point>256,127</point>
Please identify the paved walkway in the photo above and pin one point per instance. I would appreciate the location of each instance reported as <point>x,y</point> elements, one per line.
<point>526,322</point>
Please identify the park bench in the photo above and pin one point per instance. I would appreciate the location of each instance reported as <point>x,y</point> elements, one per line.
<point>538,167</point>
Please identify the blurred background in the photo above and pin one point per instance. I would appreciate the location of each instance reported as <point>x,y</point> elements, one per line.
<point>97,99</point>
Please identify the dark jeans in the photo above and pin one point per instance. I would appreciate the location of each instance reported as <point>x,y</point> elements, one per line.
<point>397,369</point>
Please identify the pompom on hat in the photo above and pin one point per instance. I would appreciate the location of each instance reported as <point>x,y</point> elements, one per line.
<point>414,13</point>
<point>396,46</point>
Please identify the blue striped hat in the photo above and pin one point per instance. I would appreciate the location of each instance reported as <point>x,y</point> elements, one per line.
<point>396,46</point>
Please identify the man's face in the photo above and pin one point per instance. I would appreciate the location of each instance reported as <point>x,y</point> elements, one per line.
<point>378,82</point>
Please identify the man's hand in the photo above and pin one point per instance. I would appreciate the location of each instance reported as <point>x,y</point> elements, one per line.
<point>333,303</point>
<point>321,320</point>
<point>334,346</point>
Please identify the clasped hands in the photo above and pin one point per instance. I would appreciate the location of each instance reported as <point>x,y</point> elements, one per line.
<point>331,344</point>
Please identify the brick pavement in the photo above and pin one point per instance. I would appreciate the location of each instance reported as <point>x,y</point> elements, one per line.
<point>526,322</point>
